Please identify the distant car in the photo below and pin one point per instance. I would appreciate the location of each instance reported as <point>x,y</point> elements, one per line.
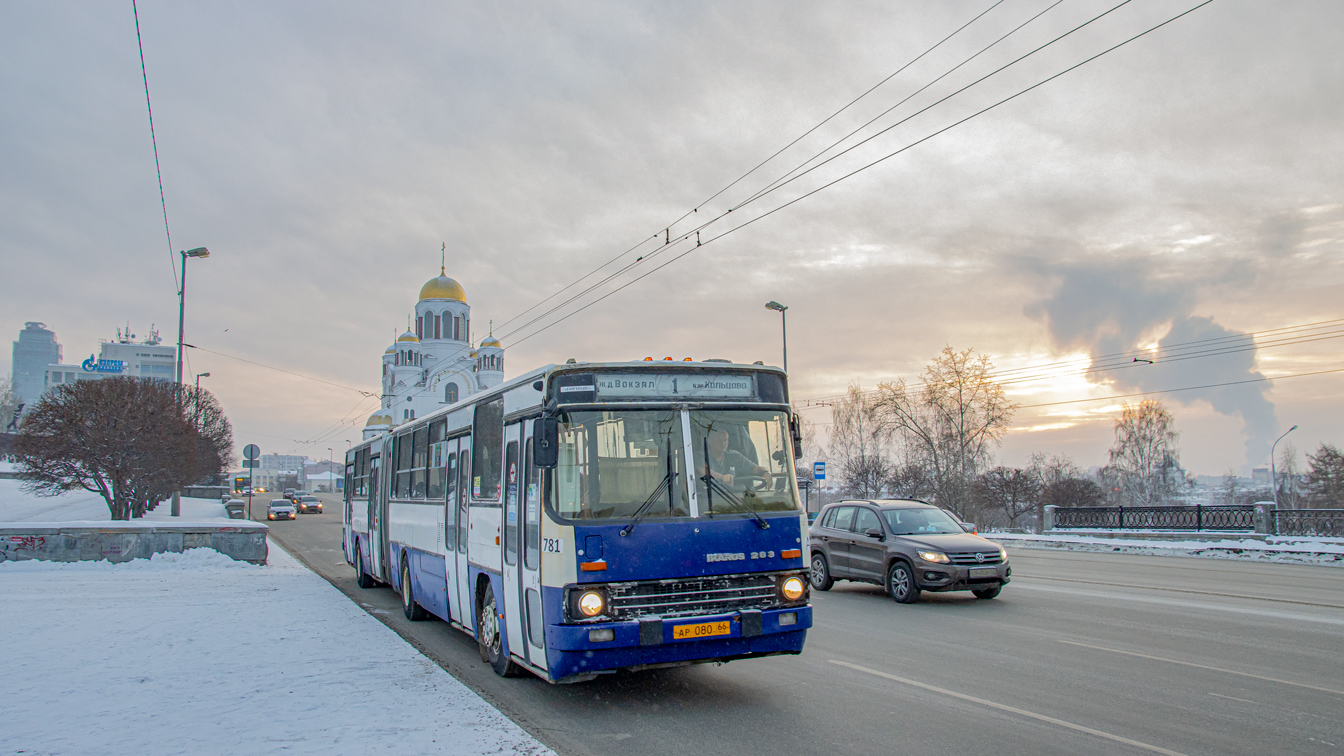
<point>906,547</point>
<point>296,494</point>
<point>280,509</point>
<point>308,503</point>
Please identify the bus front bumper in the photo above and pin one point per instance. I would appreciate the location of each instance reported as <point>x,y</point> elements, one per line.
<point>609,646</point>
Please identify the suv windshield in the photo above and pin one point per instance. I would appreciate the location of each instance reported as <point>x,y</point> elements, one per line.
<point>920,521</point>
<point>611,463</point>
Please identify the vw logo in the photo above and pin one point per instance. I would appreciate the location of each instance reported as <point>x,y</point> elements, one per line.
<point>980,558</point>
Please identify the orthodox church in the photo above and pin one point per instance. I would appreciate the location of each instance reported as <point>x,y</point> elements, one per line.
<point>434,364</point>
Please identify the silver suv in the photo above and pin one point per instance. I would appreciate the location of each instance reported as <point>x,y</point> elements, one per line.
<point>906,547</point>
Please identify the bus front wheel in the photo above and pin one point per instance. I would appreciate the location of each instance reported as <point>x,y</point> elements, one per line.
<point>489,634</point>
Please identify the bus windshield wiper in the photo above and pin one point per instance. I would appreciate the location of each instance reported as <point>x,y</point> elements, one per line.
<point>666,484</point>
<point>712,485</point>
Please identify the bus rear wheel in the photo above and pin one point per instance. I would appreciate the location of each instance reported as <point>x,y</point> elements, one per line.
<point>489,635</point>
<point>413,611</point>
<point>362,578</point>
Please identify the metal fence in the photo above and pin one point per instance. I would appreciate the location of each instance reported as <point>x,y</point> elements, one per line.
<point>1309,522</point>
<point>1157,518</point>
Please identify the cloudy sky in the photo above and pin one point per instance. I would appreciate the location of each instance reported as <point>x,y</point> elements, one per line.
<point>1179,192</point>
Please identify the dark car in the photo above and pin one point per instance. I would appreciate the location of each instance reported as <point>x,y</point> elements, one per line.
<point>906,547</point>
<point>309,503</point>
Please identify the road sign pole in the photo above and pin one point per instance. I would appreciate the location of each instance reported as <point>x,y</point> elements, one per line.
<point>250,454</point>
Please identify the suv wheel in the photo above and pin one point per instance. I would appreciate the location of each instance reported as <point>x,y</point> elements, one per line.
<point>988,593</point>
<point>820,575</point>
<point>901,583</point>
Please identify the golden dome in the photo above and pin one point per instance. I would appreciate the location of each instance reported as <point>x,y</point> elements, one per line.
<point>491,341</point>
<point>408,336</point>
<point>442,287</point>
<point>391,349</point>
<point>379,418</point>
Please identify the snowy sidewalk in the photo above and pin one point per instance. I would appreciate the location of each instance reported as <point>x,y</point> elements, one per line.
<point>195,653</point>
<point>1283,549</point>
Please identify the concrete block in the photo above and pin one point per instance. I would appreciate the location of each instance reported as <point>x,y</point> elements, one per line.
<point>124,541</point>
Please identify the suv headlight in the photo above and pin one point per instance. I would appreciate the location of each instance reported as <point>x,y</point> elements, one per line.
<point>934,556</point>
<point>1003,553</point>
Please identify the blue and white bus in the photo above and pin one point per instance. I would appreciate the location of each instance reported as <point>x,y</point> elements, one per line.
<point>567,519</point>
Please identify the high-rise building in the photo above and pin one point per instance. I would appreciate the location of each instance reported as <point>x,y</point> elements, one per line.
<point>33,352</point>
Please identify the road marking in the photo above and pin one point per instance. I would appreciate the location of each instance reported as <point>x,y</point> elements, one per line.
<point>1182,604</point>
<point>1011,709</point>
<point>1204,666</point>
<point>1234,698</point>
<point>1183,590</point>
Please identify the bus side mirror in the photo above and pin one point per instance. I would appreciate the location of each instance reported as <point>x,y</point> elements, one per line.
<point>797,432</point>
<point>546,442</point>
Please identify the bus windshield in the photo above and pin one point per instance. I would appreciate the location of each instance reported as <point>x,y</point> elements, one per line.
<point>614,463</point>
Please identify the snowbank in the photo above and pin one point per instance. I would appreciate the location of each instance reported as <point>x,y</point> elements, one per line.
<point>81,506</point>
<point>196,653</point>
<point>1272,549</point>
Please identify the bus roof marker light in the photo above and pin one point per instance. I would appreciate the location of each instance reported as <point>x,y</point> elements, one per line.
<point>687,359</point>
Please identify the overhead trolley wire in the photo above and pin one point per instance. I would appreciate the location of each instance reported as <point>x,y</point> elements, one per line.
<point>282,370</point>
<point>172,260</point>
<point>695,232</point>
<point>758,166</point>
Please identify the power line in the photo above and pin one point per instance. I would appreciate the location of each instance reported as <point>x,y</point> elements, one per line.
<point>1186,388</point>
<point>699,243</point>
<point>999,375</point>
<point>739,179</point>
<point>155,142</point>
<point>287,372</point>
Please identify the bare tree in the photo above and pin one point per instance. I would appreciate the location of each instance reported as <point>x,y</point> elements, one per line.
<point>1049,471</point>
<point>1229,488</point>
<point>950,424</point>
<point>1289,483</point>
<point>131,441</point>
<point>9,407</point>
<point>1144,457</point>
<point>858,448</point>
<point>1325,478</point>
<point>1073,492</point>
<point>1012,491</point>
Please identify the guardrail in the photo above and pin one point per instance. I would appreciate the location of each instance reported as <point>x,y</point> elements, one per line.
<point>1309,522</point>
<point>1156,518</point>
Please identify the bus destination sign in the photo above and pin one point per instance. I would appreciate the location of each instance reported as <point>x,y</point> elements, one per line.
<point>636,386</point>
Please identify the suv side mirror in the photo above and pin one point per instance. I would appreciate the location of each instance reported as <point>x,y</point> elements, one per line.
<point>969,527</point>
<point>875,533</point>
<point>546,442</point>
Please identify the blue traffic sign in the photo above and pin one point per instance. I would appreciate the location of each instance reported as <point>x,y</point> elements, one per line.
<point>818,471</point>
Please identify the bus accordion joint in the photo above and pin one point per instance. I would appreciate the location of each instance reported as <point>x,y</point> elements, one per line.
<point>599,566</point>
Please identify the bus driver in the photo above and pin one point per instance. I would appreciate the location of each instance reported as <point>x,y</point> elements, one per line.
<point>727,464</point>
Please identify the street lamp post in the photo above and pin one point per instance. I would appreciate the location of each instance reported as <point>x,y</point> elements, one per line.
<point>331,481</point>
<point>1273,471</point>
<point>783,323</point>
<point>200,252</point>
<point>199,376</point>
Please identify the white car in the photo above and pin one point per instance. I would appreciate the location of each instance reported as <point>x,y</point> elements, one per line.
<point>280,509</point>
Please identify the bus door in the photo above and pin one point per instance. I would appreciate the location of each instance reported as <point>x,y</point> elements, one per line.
<point>450,526</point>
<point>529,587</point>
<point>512,575</point>
<point>466,606</point>
<point>375,520</point>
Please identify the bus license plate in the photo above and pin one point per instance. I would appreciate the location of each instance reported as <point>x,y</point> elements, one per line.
<point>702,630</point>
<point>984,572</point>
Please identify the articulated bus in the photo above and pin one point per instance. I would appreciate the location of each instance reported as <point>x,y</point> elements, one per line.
<point>594,517</point>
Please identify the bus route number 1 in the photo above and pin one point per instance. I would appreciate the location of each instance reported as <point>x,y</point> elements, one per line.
<point>552,545</point>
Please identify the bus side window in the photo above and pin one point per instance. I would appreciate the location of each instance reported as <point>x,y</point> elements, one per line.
<point>463,472</point>
<point>450,483</point>
<point>531,492</point>
<point>511,503</point>
<point>486,449</point>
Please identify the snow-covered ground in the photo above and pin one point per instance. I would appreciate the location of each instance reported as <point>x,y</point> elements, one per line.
<point>81,506</point>
<point>1288,549</point>
<point>195,653</point>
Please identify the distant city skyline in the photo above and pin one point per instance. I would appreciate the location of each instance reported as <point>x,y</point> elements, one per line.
<point>1184,189</point>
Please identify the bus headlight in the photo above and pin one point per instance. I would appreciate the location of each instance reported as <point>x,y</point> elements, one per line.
<point>792,588</point>
<point>591,603</point>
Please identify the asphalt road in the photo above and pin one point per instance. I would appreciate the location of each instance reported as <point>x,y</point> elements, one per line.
<point>1082,654</point>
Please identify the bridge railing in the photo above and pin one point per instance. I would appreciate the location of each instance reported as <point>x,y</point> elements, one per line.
<point>1197,517</point>
<point>1309,522</point>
